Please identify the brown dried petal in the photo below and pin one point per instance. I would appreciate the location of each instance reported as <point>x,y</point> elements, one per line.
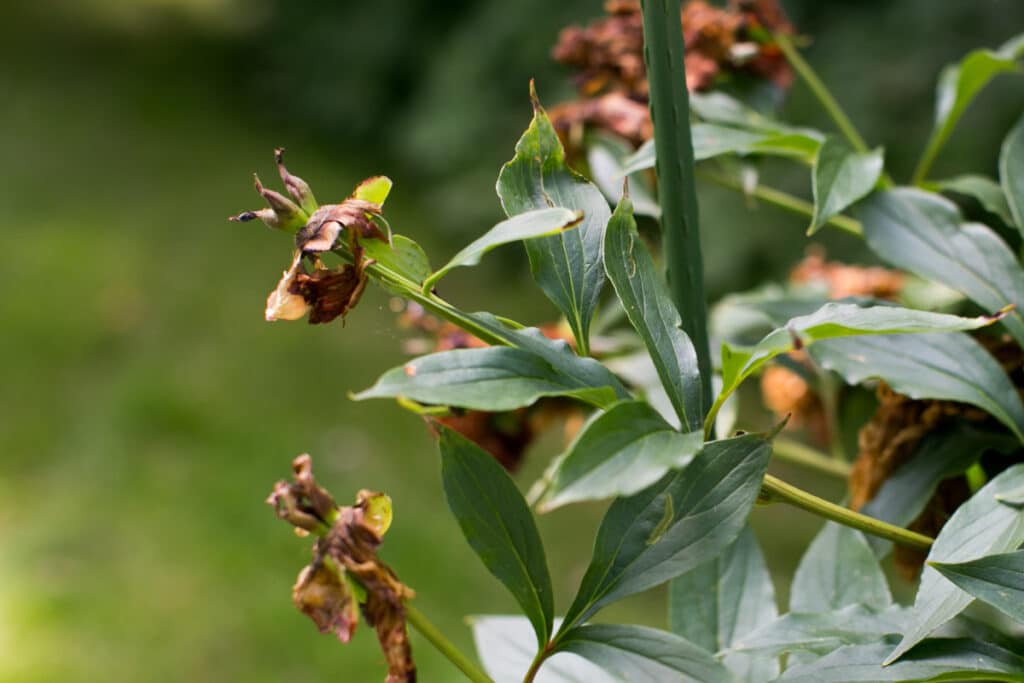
<point>331,293</point>
<point>284,303</point>
<point>324,597</point>
<point>325,225</point>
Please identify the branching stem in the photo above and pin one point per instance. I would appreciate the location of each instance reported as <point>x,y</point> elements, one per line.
<point>444,646</point>
<point>774,490</point>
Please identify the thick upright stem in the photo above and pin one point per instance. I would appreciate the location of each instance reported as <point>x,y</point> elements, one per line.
<point>677,191</point>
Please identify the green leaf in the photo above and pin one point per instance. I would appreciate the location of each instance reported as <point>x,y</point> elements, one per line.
<point>495,378</point>
<point>996,579</point>
<point>831,321</point>
<point>722,601</point>
<point>940,455</point>
<point>981,526</point>
<point>650,310</point>
<point>987,191</point>
<point>497,523</point>
<point>567,266</point>
<point>606,155</point>
<point>524,226</point>
<point>821,632</point>
<point>681,522</point>
<point>506,646</point>
<point>1011,174</point>
<point>838,570</point>
<point>717,107</point>
<point>403,257</point>
<point>639,653</point>
<point>618,452</point>
<point>712,140</point>
<point>921,232</point>
<point>960,83</point>
<point>941,659</point>
<point>950,367</point>
<point>841,177</point>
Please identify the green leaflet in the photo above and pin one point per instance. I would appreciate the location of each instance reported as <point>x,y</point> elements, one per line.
<point>981,526</point>
<point>959,84</point>
<point>525,226</point>
<point>606,155</point>
<point>1011,173</point>
<point>996,579</point>
<point>618,452</point>
<point>696,513</point>
<point>506,646</point>
<point>841,177</point>
<point>838,570</point>
<point>403,257</point>
<point>567,266</point>
<point>946,659</point>
<point>952,367</point>
<point>940,455</point>
<point>650,310</point>
<point>499,377</point>
<point>921,232</point>
<point>722,601</point>
<point>986,191</point>
<point>830,321</point>
<point>494,378</point>
<point>821,632</point>
<point>639,653</point>
<point>712,140</point>
<point>497,523</point>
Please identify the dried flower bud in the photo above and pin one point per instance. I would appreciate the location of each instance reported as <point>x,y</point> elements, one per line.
<point>296,186</point>
<point>321,232</point>
<point>283,214</point>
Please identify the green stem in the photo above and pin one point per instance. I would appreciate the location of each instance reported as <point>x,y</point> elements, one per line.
<point>444,646</point>
<point>783,200</point>
<point>931,151</point>
<point>801,454</point>
<point>674,168</point>
<point>820,92</point>
<point>535,664</point>
<point>774,490</point>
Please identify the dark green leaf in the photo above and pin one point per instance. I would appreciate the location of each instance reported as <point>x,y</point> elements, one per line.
<point>525,226</point>
<point>1011,173</point>
<point>985,190</point>
<point>981,526</point>
<point>724,600</point>
<point>639,653</point>
<point>678,524</point>
<point>403,257</point>
<point>841,177</point>
<point>497,523</point>
<point>831,321</point>
<point>960,83</point>
<point>567,266</point>
<point>648,306</point>
<point>921,232</point>
<point>494,378</point>
<point>996,579</point>
<point>940,455</point>
<point>950,367</point>
<point>506,646</point>
<point>940,659</point>
<point>836,571</point>
<point>618,453</point>
<point>822,632</point>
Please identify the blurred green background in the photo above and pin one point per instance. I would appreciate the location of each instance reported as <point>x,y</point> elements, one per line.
<point>147,407</point>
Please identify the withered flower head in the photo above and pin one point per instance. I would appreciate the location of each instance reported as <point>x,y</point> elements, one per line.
<point>326,293</point>
<point>345,571</point>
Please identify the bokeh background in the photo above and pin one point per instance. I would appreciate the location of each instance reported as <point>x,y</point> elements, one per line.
<point>146,407</point>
